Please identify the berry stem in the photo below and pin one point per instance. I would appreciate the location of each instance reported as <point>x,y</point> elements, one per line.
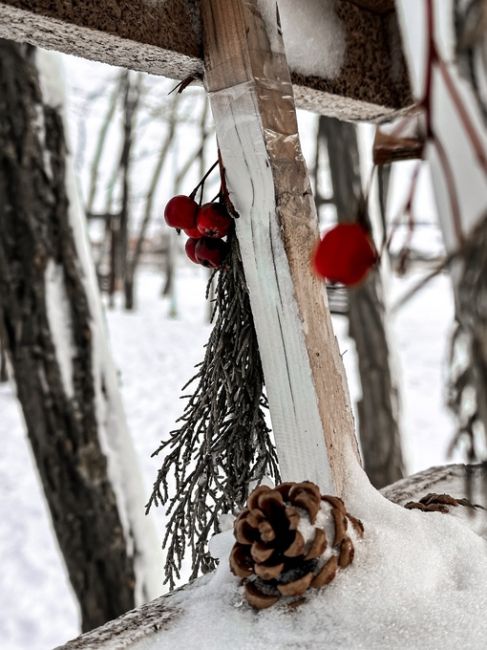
<point>201,184</point>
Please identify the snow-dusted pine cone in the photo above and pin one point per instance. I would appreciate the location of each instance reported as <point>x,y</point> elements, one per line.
<point>290,538</point>
<point>438,503</point>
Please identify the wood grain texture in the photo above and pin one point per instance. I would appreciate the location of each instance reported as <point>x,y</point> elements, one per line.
<point>128,629</point>
<point>252,101</point>
<point>164,38</point>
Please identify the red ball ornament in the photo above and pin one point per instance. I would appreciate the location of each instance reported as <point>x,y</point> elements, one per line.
<point>190,249</point>
<point>180,212</point>
<point>194,233</point>
<point>211,252</point>
<point>213,220</point>
<point>345,254</point>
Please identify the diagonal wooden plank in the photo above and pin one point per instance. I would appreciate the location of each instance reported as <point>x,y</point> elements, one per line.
<point>252,102</point>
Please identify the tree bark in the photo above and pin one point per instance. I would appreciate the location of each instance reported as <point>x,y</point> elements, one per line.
<point>131,101</point>
<point>45,315</point>
<point>379,406</point>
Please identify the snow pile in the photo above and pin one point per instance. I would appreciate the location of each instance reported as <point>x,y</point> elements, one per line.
<point>59,316</point>
<point>314,38</point>
<point>419,580</point>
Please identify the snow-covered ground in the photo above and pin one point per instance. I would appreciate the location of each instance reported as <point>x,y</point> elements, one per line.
<point>156,355</point>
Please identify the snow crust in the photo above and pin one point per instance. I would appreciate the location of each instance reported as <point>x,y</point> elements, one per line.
<point>60,322</point>
<point>314,37</point>
<point>418,580</point>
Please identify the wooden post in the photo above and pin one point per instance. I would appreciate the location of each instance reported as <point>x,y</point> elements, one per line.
<point>251,97</point>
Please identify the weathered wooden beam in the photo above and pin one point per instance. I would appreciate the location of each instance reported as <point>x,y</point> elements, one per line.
<point>139,628</point>
<point>251,98</point>
<point>165,38</point>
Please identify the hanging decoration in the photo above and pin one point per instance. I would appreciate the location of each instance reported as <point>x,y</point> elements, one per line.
<point>291,538</point>
<point>346,254</point>
<point>205,225</point>
<point>223,442</point>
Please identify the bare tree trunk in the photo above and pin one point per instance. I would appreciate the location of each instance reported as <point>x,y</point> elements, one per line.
<point>378,408</point>
<point>131,100</point>
<point>3,361</point>
<point>134,259</point>
<point>47,320</point>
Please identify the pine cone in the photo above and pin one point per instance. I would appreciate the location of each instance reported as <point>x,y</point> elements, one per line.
<point>290,538</point>
<point>439,503</point>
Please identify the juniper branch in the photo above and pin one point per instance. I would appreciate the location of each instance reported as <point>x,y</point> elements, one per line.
<point>223,443</point>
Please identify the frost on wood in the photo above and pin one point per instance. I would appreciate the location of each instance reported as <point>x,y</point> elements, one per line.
<point>314,39</point>
<point>418,580</point>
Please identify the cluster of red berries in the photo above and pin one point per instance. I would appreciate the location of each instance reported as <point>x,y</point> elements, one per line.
<point>346,254</point>
<point>205,225</point>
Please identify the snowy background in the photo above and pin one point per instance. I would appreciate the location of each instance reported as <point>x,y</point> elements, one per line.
<point>155,354</point>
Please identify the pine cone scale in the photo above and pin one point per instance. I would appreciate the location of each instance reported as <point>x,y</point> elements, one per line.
<point>318,546</point>
<point>297,587</point>
<point>326,574</point>
<point>297,546</point>
<point>257,599</point>
<point>269,572</point>
<point>239,562</point>
<point>260,553</point>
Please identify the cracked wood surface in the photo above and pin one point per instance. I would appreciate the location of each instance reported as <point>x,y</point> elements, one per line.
<point>164,38</point>
<point>252,102</point>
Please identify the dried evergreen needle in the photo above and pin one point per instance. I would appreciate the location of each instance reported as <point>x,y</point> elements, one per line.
<point>223,442</point>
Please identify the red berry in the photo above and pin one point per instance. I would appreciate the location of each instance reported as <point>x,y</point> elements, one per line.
<point>345,254</point>
<point>190,248</point>
<point>213,220</point>
<point>211,252</point>
<point>180,212</point>
<point>194,233</point>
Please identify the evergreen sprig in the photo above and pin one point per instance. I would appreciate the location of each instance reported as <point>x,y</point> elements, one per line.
<point>223,443</point>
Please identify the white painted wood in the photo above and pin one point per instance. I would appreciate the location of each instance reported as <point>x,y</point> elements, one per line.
<point>469,178</point>
<point>252,102</point>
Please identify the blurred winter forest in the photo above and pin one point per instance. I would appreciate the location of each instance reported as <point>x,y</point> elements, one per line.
<point>134,145</point>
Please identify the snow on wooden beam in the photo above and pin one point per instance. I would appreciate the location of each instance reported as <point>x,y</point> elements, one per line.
<point>174,612</point>
<point>252,102</point>
<point>164,38</point>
